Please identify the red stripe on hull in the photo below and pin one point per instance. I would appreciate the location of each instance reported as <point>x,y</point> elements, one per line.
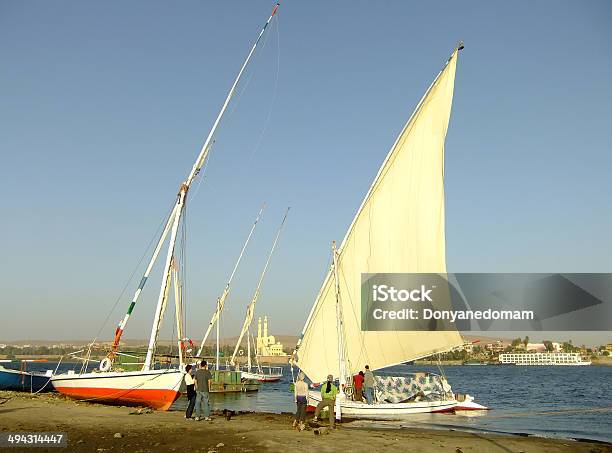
<point>160,399</point>
<point>446,409</point>
<point>469,408</point>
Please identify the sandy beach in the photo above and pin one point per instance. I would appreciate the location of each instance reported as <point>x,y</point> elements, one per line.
<point>100,428</point>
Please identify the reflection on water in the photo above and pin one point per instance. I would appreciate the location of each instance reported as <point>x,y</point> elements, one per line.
<point>545,401</point>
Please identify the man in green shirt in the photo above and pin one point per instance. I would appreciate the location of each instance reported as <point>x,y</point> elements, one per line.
<point>328,399</point>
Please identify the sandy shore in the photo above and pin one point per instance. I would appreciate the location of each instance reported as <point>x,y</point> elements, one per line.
<point>92,428</point>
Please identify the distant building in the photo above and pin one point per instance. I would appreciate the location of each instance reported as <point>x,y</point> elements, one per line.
<point>541,347</point>
<point>495,347</point>
<point>467,346</point>
<point>538,347</point>
<point>609,347</point>
<point>267,344</point>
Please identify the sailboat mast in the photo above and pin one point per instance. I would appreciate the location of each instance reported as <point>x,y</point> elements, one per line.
<point>205,148</point>
<point>165,280</point>
<point>339,322</point>
<point>251,306</point>
<point>176,212</point>
<point>221,300</point>
<point>217,354</point>
<point>248,352</point>
<point>178,311</point>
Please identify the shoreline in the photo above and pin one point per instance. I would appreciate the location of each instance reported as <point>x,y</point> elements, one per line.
<point>94,427</point>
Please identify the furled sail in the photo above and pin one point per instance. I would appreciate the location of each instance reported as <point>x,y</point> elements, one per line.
<point>398,228</point>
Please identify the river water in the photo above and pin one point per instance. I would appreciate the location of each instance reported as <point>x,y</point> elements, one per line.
<point>550,401</point>
<point>544,401</point>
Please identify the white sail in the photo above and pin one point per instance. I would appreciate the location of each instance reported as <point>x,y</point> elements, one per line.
<point>398,228</point>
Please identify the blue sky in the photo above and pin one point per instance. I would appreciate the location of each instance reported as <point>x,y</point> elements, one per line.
<point>104,107</point>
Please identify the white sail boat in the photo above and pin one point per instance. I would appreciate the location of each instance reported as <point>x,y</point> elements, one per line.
<point>258,373</point>
<point>157,388</point>
<point>399,227</point>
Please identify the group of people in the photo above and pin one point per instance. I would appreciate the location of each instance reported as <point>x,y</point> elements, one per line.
<point>363,385</point>
<point>198,391</point>
<point>199,397</point>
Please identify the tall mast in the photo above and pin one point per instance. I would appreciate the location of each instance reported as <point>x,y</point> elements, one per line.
<point>248,353</point>
<point>251,306</point>
<point>178,310</point>
<point>174,218</point>
<point>205,148</point>
<point>339,322</point>
<point>221,299</point>
<point>165,278</point>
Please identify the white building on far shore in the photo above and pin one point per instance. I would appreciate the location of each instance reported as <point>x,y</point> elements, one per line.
<point>267,344</point>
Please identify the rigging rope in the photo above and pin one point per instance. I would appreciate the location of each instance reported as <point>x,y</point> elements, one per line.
<point>155,236</point>
<point>274,94</point>
<point>49,380</point>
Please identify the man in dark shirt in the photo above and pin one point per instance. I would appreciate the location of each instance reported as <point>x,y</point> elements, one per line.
<point>202,379</point>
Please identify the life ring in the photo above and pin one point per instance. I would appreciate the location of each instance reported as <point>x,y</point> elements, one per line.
<point>106,364</point>
<point>241,352</point>
<point>184,347</point>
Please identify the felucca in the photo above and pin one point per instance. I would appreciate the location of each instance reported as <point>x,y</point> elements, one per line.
<point>398,228</point>
<point>258,372</point>
<point>150,386</point>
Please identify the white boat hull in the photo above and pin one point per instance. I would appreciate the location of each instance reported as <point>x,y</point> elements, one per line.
<point>466,403</point>
<point>262,377</point>
<point>384,411</point>
<point>157,389</point>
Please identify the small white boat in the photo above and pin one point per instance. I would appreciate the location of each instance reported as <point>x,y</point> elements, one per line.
<point>466,403</point>
<point>382,411</point>
<point>264,374</point>
<point>396,397</point>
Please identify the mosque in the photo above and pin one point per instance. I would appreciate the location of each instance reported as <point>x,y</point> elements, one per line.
<point>267,346</point>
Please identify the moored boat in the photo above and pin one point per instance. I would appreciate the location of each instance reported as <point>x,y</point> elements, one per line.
<point>391,411</point>
<point>264,373</point>
<point>25,381</point>
<point>399,228</point>
<point>150,386</point>
<point>257,372</point>
<point>157,389</point>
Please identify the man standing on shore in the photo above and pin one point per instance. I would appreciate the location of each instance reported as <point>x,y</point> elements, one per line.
<point>202,378</point>
<point>358,384</point>
<point>328,400</point>
<point>368,385</point>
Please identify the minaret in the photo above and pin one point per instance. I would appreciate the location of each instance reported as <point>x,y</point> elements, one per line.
<point>259,343</point>
<point>266,328</point>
